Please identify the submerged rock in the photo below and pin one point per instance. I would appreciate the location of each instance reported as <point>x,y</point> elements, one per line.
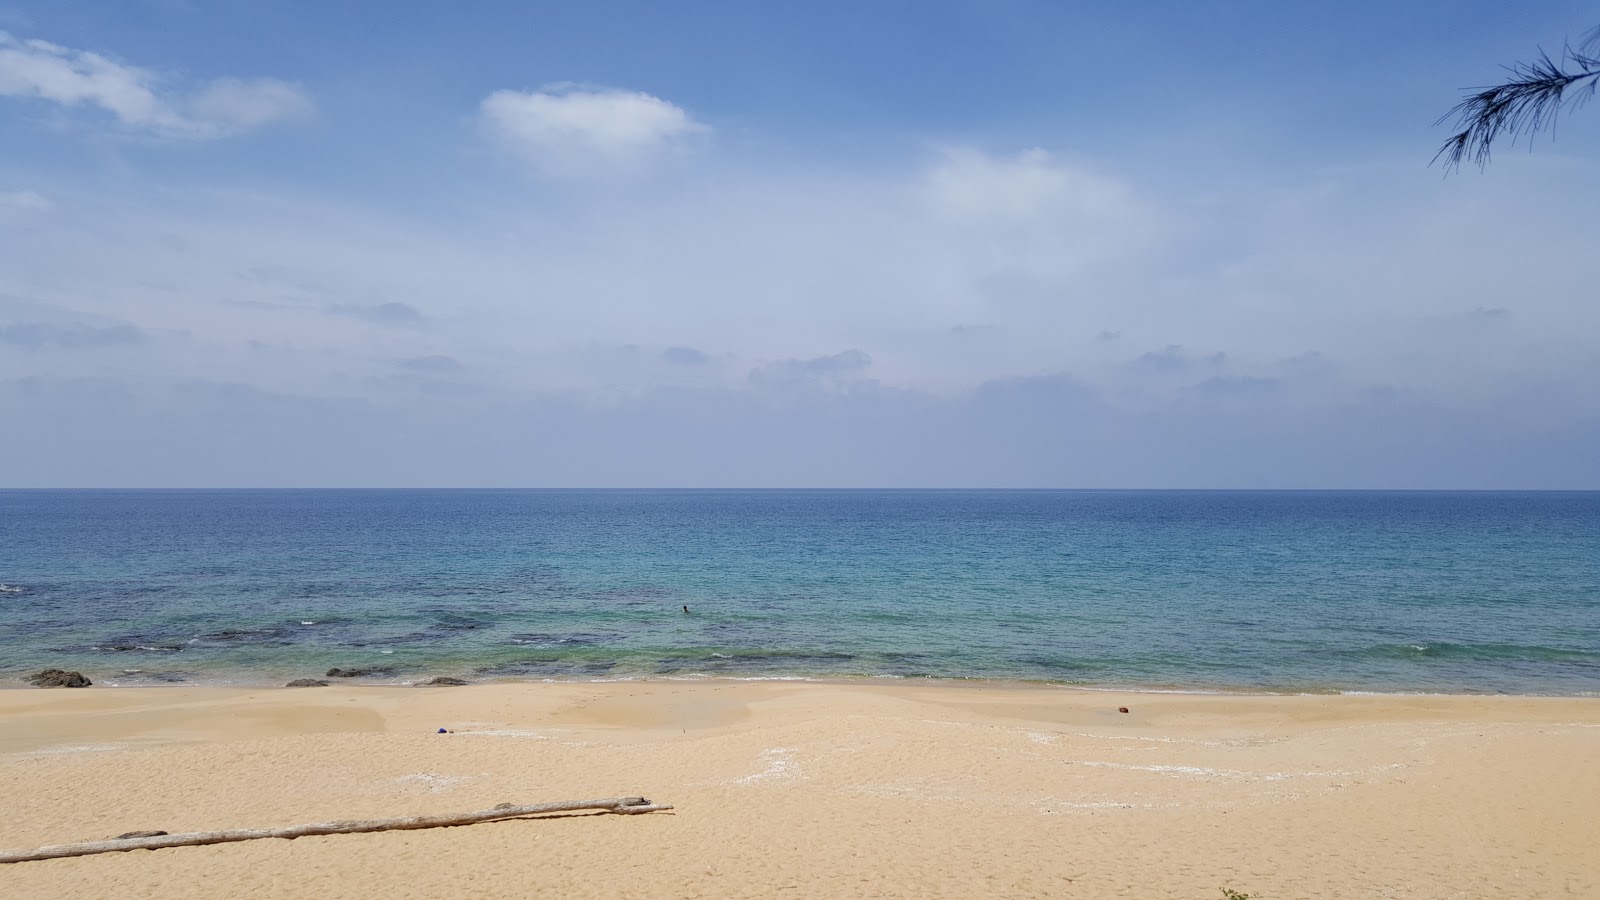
<point>59,678</point>
<point>274,634</point>
<point>306,682</point>
<point>442,681</point>
<point>358,673</point>
<point>547,667</point>
<point>455,626</point>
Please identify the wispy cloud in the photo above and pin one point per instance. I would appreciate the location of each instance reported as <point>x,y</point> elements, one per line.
<point>941,298</point>
<point>837,370</point>
<point>23,202</point>
<point>1173,358</point>
<point>435,364</point>
<point>685,356</point>
<point>391,313</point>
<point>37,335</point>
<point>566,130</point>
<point>142,99</point>
<point>1021,433</point>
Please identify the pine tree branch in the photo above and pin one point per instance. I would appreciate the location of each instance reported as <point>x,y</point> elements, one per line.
<point>1527,104</point>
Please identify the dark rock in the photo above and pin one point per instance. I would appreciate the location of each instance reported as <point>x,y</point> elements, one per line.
<point>59,678</point>
<point>139,834</point>
<point>358,673</point>
<point>245,634</point>
<point>1122,709</point>
<point>442,681</point>
<point>417,637</point>
<point>306,682</point>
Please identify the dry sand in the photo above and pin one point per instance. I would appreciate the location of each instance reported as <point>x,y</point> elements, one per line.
<point>809,790</point>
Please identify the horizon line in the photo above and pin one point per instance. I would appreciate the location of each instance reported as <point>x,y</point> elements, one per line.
<point>741,489</point>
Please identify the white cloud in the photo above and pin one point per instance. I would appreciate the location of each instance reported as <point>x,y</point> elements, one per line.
<point>573,131</point>
<point>232,105</point>
<point>943,276</point>
<point>1022,229</point>
<point>24,201</point>
<point>139,98</point>
<point>1032,186</point>
<point>839,370</point>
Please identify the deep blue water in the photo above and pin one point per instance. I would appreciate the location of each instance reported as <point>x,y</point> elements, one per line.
<point>1452,592</point>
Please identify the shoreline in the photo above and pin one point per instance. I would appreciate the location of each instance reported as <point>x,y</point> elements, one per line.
<point>18,683</point>
<point>809,789</point>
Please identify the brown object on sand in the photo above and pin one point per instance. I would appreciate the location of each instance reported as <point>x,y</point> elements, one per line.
<point>59,678</point>
<point>1122,709</point>
<point>161,840</point>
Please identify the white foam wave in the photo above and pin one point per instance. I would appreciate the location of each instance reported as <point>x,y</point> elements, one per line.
<point>1115,689</point>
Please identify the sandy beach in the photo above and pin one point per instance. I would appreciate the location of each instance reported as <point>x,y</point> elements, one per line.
<point>800,789</point>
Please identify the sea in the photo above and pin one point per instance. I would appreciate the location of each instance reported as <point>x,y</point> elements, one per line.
<point>1230,591</point>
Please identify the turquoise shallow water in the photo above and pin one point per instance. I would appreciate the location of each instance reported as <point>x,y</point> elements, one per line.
<point>1293,591</point>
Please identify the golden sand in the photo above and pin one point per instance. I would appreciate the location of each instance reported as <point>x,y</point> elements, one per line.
<point>788,789</point>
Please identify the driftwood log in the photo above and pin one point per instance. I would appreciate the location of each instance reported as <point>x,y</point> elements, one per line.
<point>157,841</point>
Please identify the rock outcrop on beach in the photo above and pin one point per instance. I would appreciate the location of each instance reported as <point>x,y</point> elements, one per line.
<point>306,682</point>
<point>59,678</point>
<point>442,681</point>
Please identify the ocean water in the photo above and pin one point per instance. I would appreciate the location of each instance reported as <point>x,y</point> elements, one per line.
<point>1207,590</point>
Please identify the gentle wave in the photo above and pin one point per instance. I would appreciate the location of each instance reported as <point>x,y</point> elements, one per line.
<point>1450,652</point>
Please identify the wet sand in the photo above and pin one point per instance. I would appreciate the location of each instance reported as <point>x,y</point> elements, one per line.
<point>795,789</point>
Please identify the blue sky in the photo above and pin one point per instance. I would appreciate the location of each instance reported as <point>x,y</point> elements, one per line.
<point>1015,244</point>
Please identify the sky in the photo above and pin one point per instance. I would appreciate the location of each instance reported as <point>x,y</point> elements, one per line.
<point>1011,243</point>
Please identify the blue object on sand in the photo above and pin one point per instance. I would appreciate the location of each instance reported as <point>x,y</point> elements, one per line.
<point>442,731</point>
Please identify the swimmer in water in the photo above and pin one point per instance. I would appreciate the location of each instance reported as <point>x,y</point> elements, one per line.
<point>686,609</point>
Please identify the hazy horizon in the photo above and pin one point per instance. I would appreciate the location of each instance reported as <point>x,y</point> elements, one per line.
<point>916,245</point>
<point>735,489</point>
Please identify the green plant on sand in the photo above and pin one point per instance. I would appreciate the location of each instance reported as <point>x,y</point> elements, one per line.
<point>1231,894</point>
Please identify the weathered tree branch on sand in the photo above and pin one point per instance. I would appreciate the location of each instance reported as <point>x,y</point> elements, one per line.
<point>158,841</point>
